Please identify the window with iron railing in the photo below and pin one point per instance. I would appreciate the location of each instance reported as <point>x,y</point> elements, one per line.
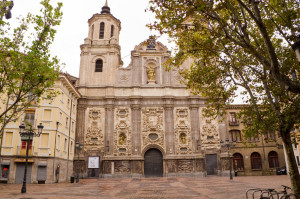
<point>235,135</point>
<point>269,135</point>
<point>233,119</point>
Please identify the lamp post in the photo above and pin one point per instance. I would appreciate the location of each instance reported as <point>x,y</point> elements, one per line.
<point>6,9</point>
<point>78,147</point>
<point>227,144</point>
<point>29,134</point>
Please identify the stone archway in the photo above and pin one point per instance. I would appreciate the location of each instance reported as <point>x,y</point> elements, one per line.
<point>153,163</point>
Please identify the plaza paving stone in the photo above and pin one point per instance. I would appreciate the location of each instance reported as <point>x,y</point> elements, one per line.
<point>213,187</point>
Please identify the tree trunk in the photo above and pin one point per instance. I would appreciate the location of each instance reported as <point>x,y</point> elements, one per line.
<point>292,165</point>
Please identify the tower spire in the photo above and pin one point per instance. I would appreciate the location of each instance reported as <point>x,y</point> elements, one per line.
<point>105,9</point>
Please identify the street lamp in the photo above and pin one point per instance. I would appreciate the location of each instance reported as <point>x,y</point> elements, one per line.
<point>29,134</point>
<point>227,144</point>
<point>78,147</point>
<point>7,9</point>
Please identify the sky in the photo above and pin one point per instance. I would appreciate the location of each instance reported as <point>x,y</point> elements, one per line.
<point>74,27</point>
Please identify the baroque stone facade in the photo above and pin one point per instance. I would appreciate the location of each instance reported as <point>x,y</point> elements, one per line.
<point>140,119</point>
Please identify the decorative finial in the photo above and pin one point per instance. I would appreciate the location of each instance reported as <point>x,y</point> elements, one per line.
<point>105,9</point>
<point>151,42</point>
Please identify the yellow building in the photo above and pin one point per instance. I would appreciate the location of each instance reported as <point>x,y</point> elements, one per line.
<point>51,154</point>
<point>260,155</point>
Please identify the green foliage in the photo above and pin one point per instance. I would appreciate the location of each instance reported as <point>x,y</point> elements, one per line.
<point>26,67</point>
<point>240,47</point>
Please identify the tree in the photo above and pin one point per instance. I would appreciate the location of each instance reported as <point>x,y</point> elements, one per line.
<point>240,46</point>
<point>26,67</point>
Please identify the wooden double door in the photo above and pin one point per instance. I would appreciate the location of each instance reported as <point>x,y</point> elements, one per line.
<point>153,163</point>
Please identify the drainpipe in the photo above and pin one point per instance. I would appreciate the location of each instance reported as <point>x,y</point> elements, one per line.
<point>57,124</point>
<point>69,139</point>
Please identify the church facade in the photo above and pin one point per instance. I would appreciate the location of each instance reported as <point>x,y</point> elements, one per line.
<point>140,120</point>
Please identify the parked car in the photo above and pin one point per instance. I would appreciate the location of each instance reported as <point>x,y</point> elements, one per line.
<point>281,171</point>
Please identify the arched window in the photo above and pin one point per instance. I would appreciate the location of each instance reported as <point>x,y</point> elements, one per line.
<point>238,162</point>
<point>99,65</point>
<point>101,33</point>
<point>273,159</point>
<point>256,161</point>
<point>112,30</point>
<point>235,135</point>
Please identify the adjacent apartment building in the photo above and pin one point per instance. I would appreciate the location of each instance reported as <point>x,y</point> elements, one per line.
<point>51,154</point>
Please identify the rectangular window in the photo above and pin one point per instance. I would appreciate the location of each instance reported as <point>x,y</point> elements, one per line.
<point>47,114</point>
<point>29,118</point>
<point>66,144</point>
<point>235,135</point>
<point>270,135</point>
<point>253,139</point>
<point>24,144</point>
<point>71,147</point>
<point>67,122</point>
<point>232,119</point>
<point>72,126</point>
<point>45,140</point>
<point>298,160</point>
<point>8,139</point>
<point>68,104</point>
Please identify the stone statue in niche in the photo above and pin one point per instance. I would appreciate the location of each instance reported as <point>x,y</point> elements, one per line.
<point>151,75</point>
<point>183,138</point>
<point>122,138</point>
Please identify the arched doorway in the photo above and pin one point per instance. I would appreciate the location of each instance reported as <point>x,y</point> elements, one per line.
<point>153,164</point>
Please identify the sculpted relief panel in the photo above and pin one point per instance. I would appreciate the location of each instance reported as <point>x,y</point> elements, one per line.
<point>94,137</point>
<point>122,132</point>
<point>209,132</point>
<point>153,127</point>
<point>182,131</point>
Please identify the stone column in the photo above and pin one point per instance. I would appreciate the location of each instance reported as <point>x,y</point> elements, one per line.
<point>109,129</point>
<point>169,129</point>
<point>136,117</point>
<point>80,123</point>
<point>195,127</point>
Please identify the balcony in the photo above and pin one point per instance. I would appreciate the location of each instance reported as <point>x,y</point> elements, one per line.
<point>21,151</point>
<point>234,123</point>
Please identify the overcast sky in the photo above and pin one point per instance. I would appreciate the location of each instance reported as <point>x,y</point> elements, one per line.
<point>74,27</point>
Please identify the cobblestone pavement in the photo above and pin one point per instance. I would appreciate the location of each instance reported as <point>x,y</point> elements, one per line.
<point>147,188</point>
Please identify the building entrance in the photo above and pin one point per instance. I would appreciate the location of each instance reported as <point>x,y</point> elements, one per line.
<point>211,164</point>
<point>153,164</point>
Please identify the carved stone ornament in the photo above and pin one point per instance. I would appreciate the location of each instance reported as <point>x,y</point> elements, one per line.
<point>122,132</point>
<point>95,114</point>
<point>94,137</point>
<point>182,131</point>
<point>185,166</point>
<point>122,167</point>
<point>152,123</point>
<point>209,133</point>
<point>124,76</point>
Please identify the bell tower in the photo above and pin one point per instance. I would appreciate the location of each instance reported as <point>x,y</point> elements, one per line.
<point>100,53</point>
